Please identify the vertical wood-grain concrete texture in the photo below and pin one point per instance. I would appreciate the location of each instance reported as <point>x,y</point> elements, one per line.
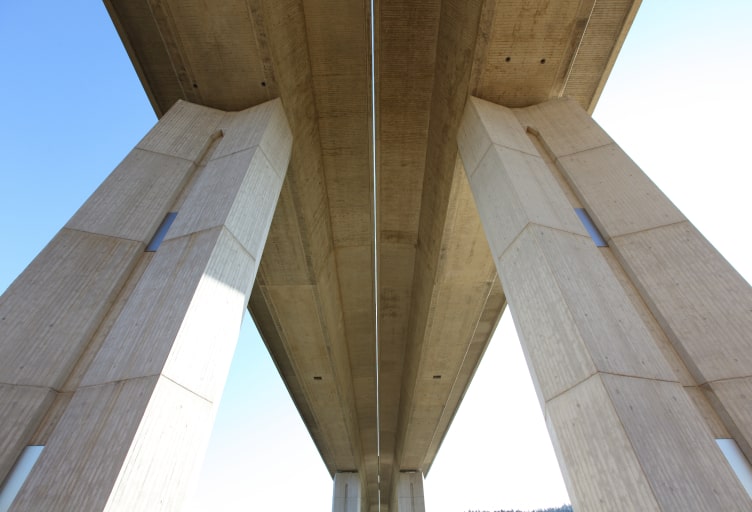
<point>123,352</point>
<point>347,496</point>
<point>409,495</point>
<point>702,304</point>
<point>627,435</point>
<point>395,197</point>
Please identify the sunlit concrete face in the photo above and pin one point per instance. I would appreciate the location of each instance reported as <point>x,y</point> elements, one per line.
<point>314,299</point>
<point>114,357</point>
<point>439,296</point>
<point>619,390</point>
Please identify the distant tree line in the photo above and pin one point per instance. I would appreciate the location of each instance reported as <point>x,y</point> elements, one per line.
<point>563,508</point>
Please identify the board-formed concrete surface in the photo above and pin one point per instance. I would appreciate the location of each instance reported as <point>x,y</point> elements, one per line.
<point>439,295</point>
<point>631,429</point>
<point>113,356</point>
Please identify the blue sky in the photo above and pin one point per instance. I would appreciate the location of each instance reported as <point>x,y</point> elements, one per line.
<point>678,101</point>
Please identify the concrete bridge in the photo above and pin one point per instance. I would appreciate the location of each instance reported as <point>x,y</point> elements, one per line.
<point>379,284</point>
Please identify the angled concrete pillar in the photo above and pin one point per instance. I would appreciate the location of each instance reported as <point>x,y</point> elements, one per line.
<point>627,434</point>
<point>114,358</point>
<point>347,496</point>
<point>409,493</point>
<point>702,304</point>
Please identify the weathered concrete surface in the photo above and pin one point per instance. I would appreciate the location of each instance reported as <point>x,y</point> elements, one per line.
<point>115,357</point>
<point>439,297</point>
<point>618,389</point>
<point>314,299</point>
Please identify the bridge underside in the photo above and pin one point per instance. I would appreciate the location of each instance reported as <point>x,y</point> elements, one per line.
<point>439,297</point>
<point>365,238</point>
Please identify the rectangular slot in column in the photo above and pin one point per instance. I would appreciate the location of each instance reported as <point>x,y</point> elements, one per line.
<point>591,229</point>
<point>737,461</point>
<point>17,476</point>
<point>156,240</point>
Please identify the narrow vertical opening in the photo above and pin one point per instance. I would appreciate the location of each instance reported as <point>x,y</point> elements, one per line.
<point>374,199</point>
<point>17,476</point>
<point>550,159</point>
<point>738,462</point>
<point>595,235</point>
<point>159,236</point>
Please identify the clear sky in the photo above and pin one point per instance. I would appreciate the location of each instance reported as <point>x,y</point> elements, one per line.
<point>678,101</point>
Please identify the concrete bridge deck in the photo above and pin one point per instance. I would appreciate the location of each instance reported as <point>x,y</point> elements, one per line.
<point>438,294</point>
<point>376,291</point>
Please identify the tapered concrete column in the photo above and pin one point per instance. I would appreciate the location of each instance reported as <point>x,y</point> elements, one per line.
<point>627,435</point>
<point>116,357</point>
<point>410,492</point>
<point>703,305</point>
<point>347,496</point>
